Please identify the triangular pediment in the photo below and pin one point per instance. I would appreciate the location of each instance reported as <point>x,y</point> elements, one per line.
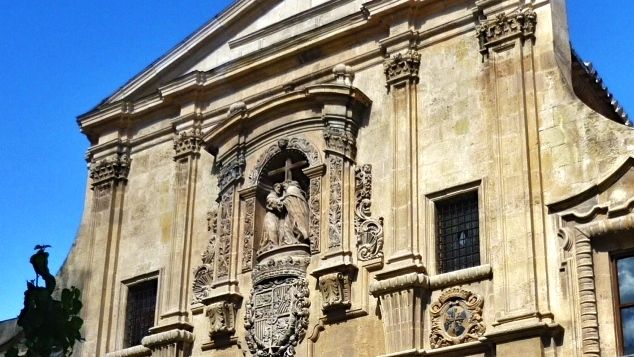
<point>246,29</point>
<point>612,195</point>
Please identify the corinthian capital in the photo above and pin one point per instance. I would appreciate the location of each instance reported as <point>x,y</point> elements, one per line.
<point>504,27</point>
<point>188,143</point>
<point>110,169</point>
<point>402,67</point>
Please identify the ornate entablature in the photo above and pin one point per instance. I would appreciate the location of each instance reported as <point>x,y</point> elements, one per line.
<point>519,23</point>
<point>456,317</point>
<point>110,169</point>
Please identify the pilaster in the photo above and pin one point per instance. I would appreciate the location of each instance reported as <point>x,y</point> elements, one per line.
<point>109,176</point>
<point>506,43</point>
<point>401,72</point>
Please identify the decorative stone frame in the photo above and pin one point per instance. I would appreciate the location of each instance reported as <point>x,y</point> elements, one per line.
<point>432,199</point>
<point>123,298</point>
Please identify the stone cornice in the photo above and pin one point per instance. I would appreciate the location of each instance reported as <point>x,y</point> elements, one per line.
<point>323,93</point>
<point>114,107</point>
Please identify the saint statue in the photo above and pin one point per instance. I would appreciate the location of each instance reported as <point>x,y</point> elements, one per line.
<point>286,218</point>
<point>294,228</point>
<point>274,210</point>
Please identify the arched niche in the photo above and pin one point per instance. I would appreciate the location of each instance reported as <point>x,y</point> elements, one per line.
<point>294,159</point>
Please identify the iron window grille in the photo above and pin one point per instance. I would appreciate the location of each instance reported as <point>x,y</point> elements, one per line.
<point>140,311</point>
<point>458,236</point>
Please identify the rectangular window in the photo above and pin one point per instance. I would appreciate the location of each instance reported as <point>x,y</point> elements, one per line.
<point>625,302</point>
<point>140,311</point>
<point>457,232</point>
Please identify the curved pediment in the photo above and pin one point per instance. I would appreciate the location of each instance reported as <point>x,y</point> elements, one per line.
<point>305,108</point>
<point>612,196</point>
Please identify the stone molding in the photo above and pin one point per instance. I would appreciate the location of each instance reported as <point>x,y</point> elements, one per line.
<point>368,230</point>
<point>168,337</point>
<point>402,67</point>
<point>188,143</point>
<point>134,351</point>
<point>456,317</point>
<point>462,276</point>
<point>110,170</point>
<point>504,27</point>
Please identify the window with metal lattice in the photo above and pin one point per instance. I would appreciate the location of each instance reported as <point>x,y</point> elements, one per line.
<point>457,232</point>
<point>140,311</point>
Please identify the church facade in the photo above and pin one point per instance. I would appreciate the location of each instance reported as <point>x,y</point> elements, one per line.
<point>360,178</point>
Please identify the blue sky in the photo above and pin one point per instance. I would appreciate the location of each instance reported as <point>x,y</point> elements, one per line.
<point>60,58</point>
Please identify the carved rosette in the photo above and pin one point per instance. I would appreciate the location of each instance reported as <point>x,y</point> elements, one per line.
<point>188,143</point>
<point>315,215</point>
<point>249,222</point>
<point>368,230</point>
<point>335,291</point>
<point>335,166</point>
<point>222,319</point>
<point>204,274</point>
<point>224,235</point>
<point>401,67</point>
<point>456,318</point>
<point>299,144</point>
<point>519,23</point>
<point>110,170</point>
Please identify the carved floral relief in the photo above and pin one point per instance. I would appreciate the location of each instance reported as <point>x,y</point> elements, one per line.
<point>335,204</point>
<point>368,230</point>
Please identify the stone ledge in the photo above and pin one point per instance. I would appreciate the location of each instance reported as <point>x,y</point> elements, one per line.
<point>459,277</point>
<point>134,351</point>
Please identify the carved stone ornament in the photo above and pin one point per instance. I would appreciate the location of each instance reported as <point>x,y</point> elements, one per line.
<point>335,166</point>
<point>110,169</point>
<point>335,291</point>
<point>277,316</point>
<point>224,235</point>
<point>368,230</point>
<point>456,318</point>
<point>299,144</point>
<point>222,319</point>
<point>188,143</point>
<point>247,246</point>
<point>314,235</point>
<point>204,273</point>
<point>402,67</point>
<point>521,22</point>
<point>340,140</point>
<point>231,172</point>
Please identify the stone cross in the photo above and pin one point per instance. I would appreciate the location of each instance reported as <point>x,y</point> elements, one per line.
<point>287,168</point>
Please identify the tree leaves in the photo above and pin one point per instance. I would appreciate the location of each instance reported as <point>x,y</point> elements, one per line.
<point>49,325</point>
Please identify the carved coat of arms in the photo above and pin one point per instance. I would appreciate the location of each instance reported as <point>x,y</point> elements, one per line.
<point>277,316</point>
